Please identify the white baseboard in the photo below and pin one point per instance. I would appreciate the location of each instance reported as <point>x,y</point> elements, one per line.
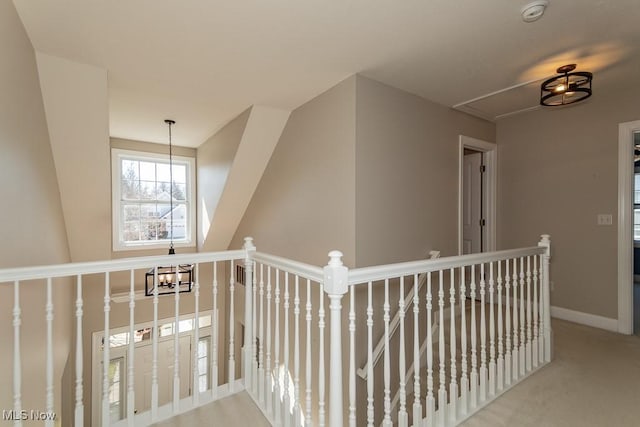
<point>585,318</point>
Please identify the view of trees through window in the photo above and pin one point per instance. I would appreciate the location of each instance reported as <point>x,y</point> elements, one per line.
<point>146,200</point>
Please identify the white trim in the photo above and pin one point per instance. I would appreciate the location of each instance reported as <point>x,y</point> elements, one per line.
<point>117,352</point>
<point>587,319</point>
<point>490,150</point>
<point>625,225</point>
<point>190,241</point>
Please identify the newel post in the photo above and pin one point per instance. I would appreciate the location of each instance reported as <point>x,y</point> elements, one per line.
<point>247,351</point>
<point>546,296</point>
<point>335,286</point>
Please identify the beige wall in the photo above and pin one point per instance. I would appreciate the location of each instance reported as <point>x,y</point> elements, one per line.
<point>557,171</point>
<point>215,157</point>
<point>32,230</point>
<point>304,205</point>
<point>77,108</point>
<point>407,173</point>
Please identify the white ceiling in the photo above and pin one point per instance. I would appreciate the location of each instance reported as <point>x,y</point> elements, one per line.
<point>203,62</point>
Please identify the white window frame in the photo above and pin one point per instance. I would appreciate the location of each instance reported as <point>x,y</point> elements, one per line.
<point>116,173</point>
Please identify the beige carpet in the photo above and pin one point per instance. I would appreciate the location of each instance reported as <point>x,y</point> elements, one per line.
<point>594,380</point>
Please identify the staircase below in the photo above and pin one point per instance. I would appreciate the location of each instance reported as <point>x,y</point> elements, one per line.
<point>238,409</point>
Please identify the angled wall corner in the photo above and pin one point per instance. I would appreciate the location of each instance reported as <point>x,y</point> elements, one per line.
<point>76,103</point>
<point>226,183</point>
<point>32,229</point>
<point>304,205</point>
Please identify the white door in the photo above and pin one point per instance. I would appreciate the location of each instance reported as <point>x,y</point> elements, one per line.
<point>143,368</point>
<point>472,203</point>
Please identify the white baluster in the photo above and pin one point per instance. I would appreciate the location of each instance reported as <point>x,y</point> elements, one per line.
<point>154,350</point>
<point>483,338</point>
<point>268,371</point>
<point>370,407</point>
<point>254,331</point>
<point>536,346</point>
<point>430,401</point>
<point>49,319</point>
<point>522,338</point>
<point>500,332</point>
<point>17,368</point>
<point>352,357</point>
<point>296,353</point>
<point>105,353</point>
<point>232,326</point>
<point>321,376</point>
<point>442,391</point>
<point>529,326</point>
<point>196,339</point>
<point>79,408</point>
<point>492,334</point>
<point>285,376</point>
<point>474,346</point>
<point>507,316</point>
<point>276,359</point>
<point>307,415</point>
<point>176,344</point>
<point>417,406</point>
<point>131,392</point>
<point>515,357</point>
<point>335,281</point>
<point>248,350</point>
<point>545,306</point>
<point>453,383</point>
<point>261,342</point>
<point>464,379</point>
<point>403,417</point>
<point>386,422</point>
<point>215,333</point>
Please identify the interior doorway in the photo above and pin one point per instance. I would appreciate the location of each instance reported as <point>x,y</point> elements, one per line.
<point>626,229</point>
<point>473,222</point>
<point>477,195</point>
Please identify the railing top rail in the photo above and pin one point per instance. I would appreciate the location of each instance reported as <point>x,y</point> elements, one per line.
<point>307,271</point>
<point>371,274</point>
<point>94,267</point>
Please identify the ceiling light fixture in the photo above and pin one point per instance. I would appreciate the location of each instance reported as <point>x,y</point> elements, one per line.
<point>534,10</point>
<point>568,87</point>
<point>168,278</point>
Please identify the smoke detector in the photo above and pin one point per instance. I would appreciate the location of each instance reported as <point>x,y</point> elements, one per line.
<point>534,10</point>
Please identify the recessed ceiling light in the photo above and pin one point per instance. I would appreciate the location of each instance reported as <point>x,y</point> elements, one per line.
<point>534,10</point>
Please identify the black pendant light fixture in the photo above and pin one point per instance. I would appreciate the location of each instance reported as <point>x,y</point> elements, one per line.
<point>169,277</point>
<point>568,87</point>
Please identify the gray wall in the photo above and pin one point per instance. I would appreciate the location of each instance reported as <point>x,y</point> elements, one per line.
<point>407,173</point>
<point>304,205</point>
<point>557,171</point>
<point>32,230</point>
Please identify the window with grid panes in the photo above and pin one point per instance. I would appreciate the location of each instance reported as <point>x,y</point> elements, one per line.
<point>142,195</point>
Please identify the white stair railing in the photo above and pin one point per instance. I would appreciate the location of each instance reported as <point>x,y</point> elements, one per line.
<point>101,273</point>
<point>393,325</point>
<point>447,280</point>
<point>276,345</point>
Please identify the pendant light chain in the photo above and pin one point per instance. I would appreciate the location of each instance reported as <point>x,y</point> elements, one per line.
<point>171,249</point>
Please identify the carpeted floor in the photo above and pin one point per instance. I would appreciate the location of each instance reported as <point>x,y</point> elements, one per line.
<point>237,410</point>
<point>593,380</point>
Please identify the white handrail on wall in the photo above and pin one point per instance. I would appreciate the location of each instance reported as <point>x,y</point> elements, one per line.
<point>393,326</point>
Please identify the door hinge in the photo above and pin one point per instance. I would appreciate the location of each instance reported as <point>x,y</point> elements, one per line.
<point>483,223</point>
<point>483,168</point>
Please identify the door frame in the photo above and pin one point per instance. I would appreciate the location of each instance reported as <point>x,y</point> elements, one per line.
<point>490,181</point>
<point>625,225</point>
